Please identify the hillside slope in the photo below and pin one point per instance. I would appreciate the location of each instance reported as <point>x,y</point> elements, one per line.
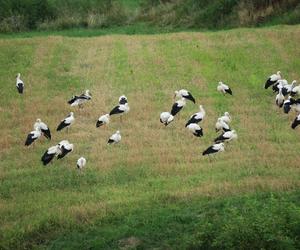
<point>154,189</point>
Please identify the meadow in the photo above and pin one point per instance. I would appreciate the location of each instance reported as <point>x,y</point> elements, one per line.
<point>154,190</point>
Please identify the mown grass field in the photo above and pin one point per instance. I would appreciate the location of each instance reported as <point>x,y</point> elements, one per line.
<point>154,190</point>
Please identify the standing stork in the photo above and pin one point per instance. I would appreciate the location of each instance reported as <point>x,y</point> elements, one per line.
<point>195,129</point>
<point>287,89</point>
<point>103,119</point>
<point>65,148</point>
<point>115,138</point>
<point>19,84</point>
<point>221,125</point>
<point>177,106</point>
<point>67,122</point>
<point>32,136</point>
<point>81,162</point>
<point>81,99</point>
<point>226,117</point>
<point>49,155</point>
<point>166,118</point>
<point>279,98</point>
<point>296,122</point>
<point>197,117</point>
<point>223,88</point>
<point>183,93</point>
<point>273,79</point>
<point>226,136</point>
<point>296,89</point>
<point>217,147</point>
<point>43,127</point>
<point>120,110</point>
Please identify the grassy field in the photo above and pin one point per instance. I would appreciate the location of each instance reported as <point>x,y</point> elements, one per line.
<point>154,190</point>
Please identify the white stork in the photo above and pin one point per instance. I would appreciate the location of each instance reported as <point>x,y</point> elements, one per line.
<point>279,98</point>
<point>103,119</point>
<point>273,79</point>
<point>226,117</point>
<point>183,93</point>
<point>65,147</point>
<point>80,99</point>
<point>280,84</point>
<point>287,89</point>
<point>49,155</point>
<point>43,127</point>
<point>81,162</point>
<point>197,117</point>
<point>223,88</point>
<point>195,129</point>
<point>32,136</point>
<point>296,89</point>
<point>218,147</point>
<point>19,84</point>
<point>177,106</point>
<point>226,136</point>
<point>166,118</point>
<point>120,109</point>
<point>115,138</point>
<point>221,125</point>
<point>67,122</point>
<point>296,122</point>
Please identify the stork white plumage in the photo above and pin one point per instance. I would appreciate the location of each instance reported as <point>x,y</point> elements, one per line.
<point>120,109</point>
<point>195,129</point>
<point>33,136</point>
<point>115,138</point>
<point>67,122</point>
<point>221,125</point>
<point>81,162</point>
<point>296,89</point>
<point>43,127</point>
<point>177,106</point>
<point>227,136</point>
<point>197,117</point>
<point>279,84</point>
<point>49,155</point>
<point>81,99</point>
<point>19,84</point>
<point>296,122</point>
<point>287,89</point>
<point>223,88</point>
<point>279,98</point>
<point>226,118</point>
<point>217,147</point>
<point>166,118</point>
<point>183,93</point>
<point>273,79</point>
<point>65,148</point>
<point>104,119</point>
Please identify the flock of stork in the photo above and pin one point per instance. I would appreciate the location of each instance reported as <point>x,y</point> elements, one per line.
<point>283,99</point>
<point>285,93</point>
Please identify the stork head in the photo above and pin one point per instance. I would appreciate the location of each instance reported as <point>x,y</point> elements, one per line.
<point>226,114</point>
<point>294,82</point>
<point>71,114</point>
<point>118,132</point>
<point>220,83</point>
<point>87,92</point>
<point>18,75</point>
<point>278,73</point>
<point>38,120</point>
